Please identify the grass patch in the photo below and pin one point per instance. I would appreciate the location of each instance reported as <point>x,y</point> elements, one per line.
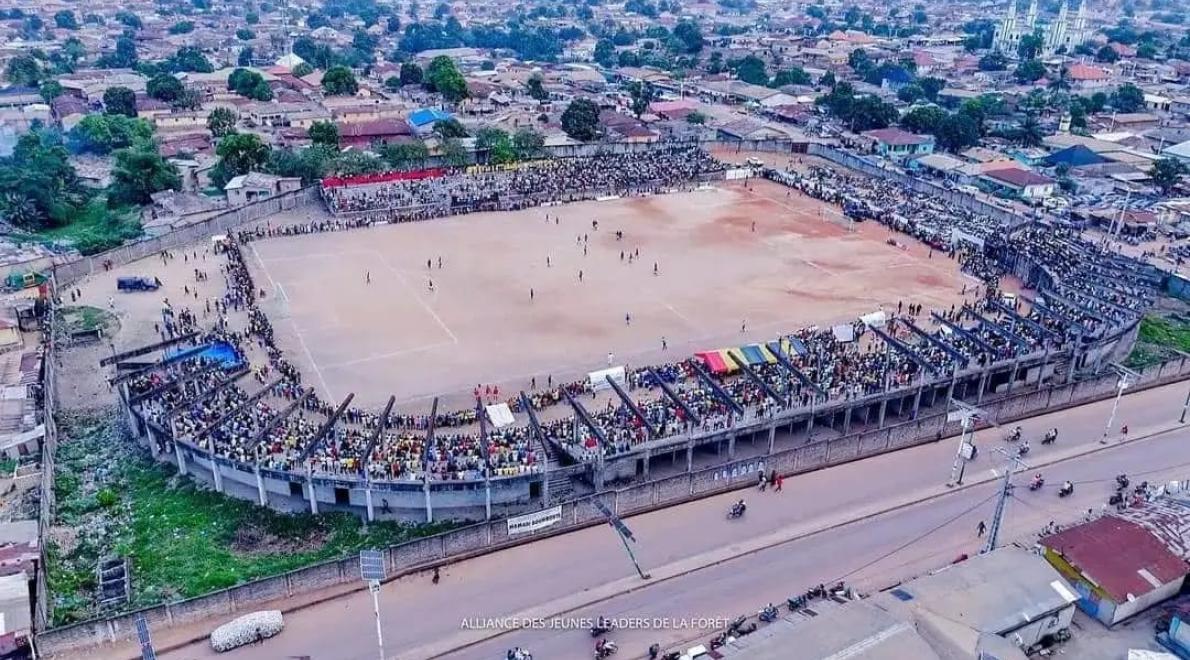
<point>1159,339</point>
<point>96,229</point>
<point>85,318</point>
<point>181,540</point>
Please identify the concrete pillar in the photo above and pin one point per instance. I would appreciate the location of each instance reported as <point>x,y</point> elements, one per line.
<point>487,498</point>
<point>883,408</point>
<point>1016,365</point>
<point>917,401</point>
<point>647,457</point>
<point>847,420</point>
<point>810,424</point>
<point>983,384</point>
<point>429,505</point>
<point>690,455</point>
<point>181,459</point>
<point>772,437</point>
<point>731,445</point>
<point>545,485</point>
<point>368,502</point>
<point>598,477</point>
<point>310,493</point>
<point>218,474</point>
<point>261,494</point>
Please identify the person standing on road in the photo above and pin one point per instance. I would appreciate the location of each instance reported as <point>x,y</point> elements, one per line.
<point>980,529</point>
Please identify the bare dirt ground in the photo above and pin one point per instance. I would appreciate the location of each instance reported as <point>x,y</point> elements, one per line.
<point>735,264</point>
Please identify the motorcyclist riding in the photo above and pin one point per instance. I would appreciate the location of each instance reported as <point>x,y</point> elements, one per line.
<point>1067,488</point>
<point>1023,449</point>
<point>1037,481</point>
<point>1050,436</point>
<point>1015,435</point>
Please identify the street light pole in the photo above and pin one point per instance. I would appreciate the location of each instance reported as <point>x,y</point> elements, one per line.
<point>967,415</point>
<point>1121,385</point>
<point>1185,406</point>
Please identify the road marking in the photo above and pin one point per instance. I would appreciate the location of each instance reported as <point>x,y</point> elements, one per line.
<point>413,292</point>
<point>385,356</point>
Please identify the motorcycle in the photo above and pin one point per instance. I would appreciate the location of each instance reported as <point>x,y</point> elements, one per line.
<point>768,614</point>
<point>601,627</point>
<point>605,650</point>
<point>1051,436</point>
<point>1036,484</point>
<point>1022,450</point>
<point>1014,435</point>
<point>736,511</point>
<point>795,603</point>
<point>1121,481</point>
<point>735,625</point>
<point>1066,489</point>
<point>654,651</point>
<point>720,640</point>
<point>672,655</point>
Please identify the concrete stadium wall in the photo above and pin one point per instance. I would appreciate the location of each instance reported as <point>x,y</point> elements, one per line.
<point>458,544</point>
<point>68,273</point>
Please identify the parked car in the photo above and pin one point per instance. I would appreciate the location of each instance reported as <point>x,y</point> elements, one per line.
<point>137,284</point>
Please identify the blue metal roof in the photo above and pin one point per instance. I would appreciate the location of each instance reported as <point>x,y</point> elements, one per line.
<point>426,116</point>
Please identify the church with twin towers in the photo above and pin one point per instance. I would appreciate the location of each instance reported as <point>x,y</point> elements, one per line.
<point>1061,35</point>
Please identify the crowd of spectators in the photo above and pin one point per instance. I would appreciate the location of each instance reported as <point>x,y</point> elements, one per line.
<point>1083,286</point>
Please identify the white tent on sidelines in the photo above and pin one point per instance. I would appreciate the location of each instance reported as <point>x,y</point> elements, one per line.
<point>599,378</point>
<point>500,415</point>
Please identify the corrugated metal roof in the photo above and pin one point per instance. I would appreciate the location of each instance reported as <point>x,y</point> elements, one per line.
<point>1112,552</point>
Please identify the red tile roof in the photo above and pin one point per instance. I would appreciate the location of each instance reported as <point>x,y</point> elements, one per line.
<point>1117,555</point>
<point>1086,72</point>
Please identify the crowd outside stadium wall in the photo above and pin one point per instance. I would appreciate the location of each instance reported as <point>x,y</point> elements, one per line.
<point>425,553</point>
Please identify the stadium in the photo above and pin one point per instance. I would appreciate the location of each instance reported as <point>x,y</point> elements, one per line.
<point>487,342</point>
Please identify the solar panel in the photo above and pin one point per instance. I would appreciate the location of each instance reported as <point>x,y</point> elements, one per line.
<point>371,565</point>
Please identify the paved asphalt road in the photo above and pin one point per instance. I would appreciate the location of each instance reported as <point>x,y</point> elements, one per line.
<point>706,566</point>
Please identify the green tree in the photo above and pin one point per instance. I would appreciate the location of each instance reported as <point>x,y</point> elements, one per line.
<point>24,71</point>
<point>189,58</point>
<point>183,27</point>
<point>498,145</point>
<point>1166,173</point>
<point>339,81</point>
<point>65,19</point>
<point>535,88</point>
<point>1106,54</point>
<point>129,19</point>
<point>642,94</point>
<point>221,122</point>
<point>251,18</point>
<point>792,76</point>
<point>50,90</point>
<point>239,153</point>
<point>605,53</point>
<point>1030,46</point>
<point>392,83</point>
<point>404,155</point>
<point>925,119</point>
<point>958,132</point>
<point>449,129</point>
<point>138,173</point>
<point>410,74</point>
<point>860,62</point>
<point>528,143</point>
<point>245,56</point>
<point>444,77</point>
<point>165,87</point>
<point>580,120</point>
<point>1128,98</point>
<point>994,61</point>
<point>103,134</point>
<point>1029,132</point>
<point>453,153</point>
<point>688,37</point>
<point>244,34</point>
<point>750,69</point>
<point>250,84</point>
<point>353,163</point>
<point>696,117</point>
<point>1029,71</point>
<point>302,70</point>
<point>325,133</point>
<point>39,189</point>
<point>119,101</point>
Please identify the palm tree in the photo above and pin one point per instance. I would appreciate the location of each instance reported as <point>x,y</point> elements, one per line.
<point>1062,82</point>
<point>1029,133</point>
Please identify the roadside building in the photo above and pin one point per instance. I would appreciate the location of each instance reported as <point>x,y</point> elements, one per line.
<point>256,186</point>
<point>1117,567</point>
<point>896,144</point>
<point>1022,183</point>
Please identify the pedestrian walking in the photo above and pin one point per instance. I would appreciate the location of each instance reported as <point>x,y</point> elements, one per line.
<point>547,261</point>
<point>368,277</point>
<point>763,481</point>
<point>780,482</point>
<point>654,268</point>
<point>530,295</point>
<point>664,344</point>
<point>628,319</point>
<point>610,358</point>
<point>580,276</point>
<point>743,326</point>
<point>980,529</point>
<point>439,263</point>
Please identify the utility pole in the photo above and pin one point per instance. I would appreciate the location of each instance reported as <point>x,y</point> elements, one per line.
<point>623,532</point>
<point>1123,382</point>
<point>1185,406</point>
<point>967,414</point>
<point>1011,464</point>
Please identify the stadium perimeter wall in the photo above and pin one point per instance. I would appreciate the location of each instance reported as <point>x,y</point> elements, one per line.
<point>341,575</point>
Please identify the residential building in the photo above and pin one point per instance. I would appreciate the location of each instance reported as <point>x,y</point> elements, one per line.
<point>898,145</point>
<point>1020,182</point>
<point>256,186</point>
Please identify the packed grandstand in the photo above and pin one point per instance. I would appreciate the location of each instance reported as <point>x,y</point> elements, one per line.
<point>1084,292</point>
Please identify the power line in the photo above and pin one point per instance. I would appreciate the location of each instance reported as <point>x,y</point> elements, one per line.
<point>920,537</point>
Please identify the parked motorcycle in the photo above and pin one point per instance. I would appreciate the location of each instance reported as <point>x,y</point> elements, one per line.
<point>768,614</point>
